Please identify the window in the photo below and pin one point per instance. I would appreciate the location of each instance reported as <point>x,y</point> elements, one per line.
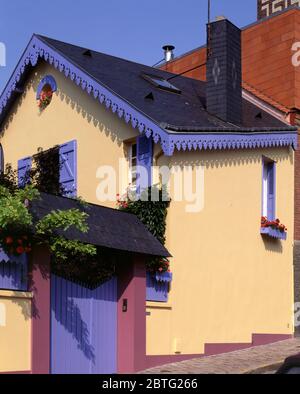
<point>45,91</point>
<point>47,82</point>
<point>24,168</point>
<point>58,177</point>
<point>140,163</point>
<point>133,164</point>
<point>269,189</point>
<point>161,83</point>
<point>68,168</point>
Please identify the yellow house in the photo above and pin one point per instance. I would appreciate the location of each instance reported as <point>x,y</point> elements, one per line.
<point>226,162</point>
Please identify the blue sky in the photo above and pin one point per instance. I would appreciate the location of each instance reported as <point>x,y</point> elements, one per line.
<point>133,29</point>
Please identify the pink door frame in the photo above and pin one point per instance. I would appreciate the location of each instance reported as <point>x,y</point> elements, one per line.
<point>131,353</point>
<point>39,285</point>
<point>132,316</point>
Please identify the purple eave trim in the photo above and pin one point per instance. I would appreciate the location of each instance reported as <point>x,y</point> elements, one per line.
<point>37,49</point>
<point>164,277</point>
<point>273,233</point>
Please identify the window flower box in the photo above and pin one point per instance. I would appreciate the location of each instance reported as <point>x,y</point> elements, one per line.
<point>273,229</point>
<point>13,271</point>
<point>158,285</point>
<point>7,258</point>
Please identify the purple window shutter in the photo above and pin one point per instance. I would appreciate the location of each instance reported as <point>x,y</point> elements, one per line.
<point>271,190</point>
<point>144,159</point>
<point>68,168</point>
<point>24,166</point>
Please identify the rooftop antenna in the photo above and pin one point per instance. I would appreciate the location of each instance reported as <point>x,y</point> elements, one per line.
<point>208,30</point>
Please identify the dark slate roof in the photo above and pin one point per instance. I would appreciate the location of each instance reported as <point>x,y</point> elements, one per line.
<point>109,228</point>
<point>172,111</point>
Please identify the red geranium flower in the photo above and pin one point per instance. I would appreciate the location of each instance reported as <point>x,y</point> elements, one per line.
<point>9,240</point>
<point>20,250</point>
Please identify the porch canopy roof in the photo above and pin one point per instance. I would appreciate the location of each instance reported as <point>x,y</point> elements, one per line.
<point>108,228</point>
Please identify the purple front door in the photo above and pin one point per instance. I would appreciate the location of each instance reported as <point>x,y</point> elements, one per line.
<point>83,328</point>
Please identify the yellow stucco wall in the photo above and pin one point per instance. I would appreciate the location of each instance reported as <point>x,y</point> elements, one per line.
<point>72,115</point>
<point>15,331</point>
<point>228,283</point>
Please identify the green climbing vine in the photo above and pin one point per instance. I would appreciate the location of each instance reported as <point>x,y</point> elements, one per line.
<point>152,209</point>
<point>20,232</point>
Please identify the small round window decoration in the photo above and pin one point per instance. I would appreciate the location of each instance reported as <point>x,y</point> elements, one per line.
<point>45,91</point>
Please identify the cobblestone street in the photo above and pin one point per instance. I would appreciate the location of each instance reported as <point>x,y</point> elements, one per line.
<point>261,359</point>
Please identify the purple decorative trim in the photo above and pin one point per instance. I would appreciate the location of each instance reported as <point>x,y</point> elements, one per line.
<point>165,277</point>
<point>47,80</point>
<point>234,140</point>
<point>38,49</point>
<point>157,289</point>
<point>274,233</point>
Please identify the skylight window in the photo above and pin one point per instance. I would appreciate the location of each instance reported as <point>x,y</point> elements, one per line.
<point>161,83</point>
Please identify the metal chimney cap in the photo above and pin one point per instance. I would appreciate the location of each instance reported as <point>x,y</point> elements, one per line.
<point>168,47</point>
<point>220,18</point>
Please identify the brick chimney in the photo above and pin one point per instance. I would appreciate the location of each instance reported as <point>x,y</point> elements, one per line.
<point>224,71</point>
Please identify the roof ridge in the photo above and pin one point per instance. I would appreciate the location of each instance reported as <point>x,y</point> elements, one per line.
<point>108,55</point>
